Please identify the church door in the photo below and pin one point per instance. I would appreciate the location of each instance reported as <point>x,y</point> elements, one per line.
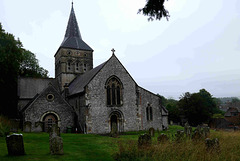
<point>114,124</point>
<point>49,120</point>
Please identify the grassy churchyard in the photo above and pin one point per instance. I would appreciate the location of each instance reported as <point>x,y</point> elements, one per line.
<point>97,147</point>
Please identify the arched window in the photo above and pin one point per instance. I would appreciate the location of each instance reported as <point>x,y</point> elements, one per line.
<point>114,91</point>
<point>149,113</point>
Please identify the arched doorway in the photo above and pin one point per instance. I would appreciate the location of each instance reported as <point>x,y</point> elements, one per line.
<point>116,122</point>
<point>49,120</point>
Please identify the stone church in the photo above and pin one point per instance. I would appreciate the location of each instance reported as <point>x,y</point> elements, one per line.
<point>86,99</point>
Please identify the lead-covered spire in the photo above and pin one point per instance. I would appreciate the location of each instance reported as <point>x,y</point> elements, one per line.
<point>73,37</point>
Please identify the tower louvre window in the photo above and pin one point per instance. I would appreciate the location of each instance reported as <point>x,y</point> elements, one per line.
<point>69,65</point>
<point>77,66</point>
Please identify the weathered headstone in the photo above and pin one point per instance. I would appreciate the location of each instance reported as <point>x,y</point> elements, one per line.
<point>56,145</point>
<point>39,126</point>
<point>188,130</point>
<point>27,127</point>
<point>196,135</point>
<point>151,132</point>
<point>212,144</point>
<point>162,138</point>
<point>179,135</point>
<point>54,131</point>
<point>206,132</point>
<point>15,144</point>
<point>114,131</point>
<point>144,140</point>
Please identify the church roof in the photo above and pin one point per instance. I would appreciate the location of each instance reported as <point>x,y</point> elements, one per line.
<point>73,37</point>
<point>78,84</point>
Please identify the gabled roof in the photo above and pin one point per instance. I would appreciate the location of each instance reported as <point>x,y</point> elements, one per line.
<point>78,84</point>
<point>51,84</point>
<point>73,37</point>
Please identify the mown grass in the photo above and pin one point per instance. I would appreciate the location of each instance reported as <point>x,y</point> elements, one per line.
<point>97,147</point>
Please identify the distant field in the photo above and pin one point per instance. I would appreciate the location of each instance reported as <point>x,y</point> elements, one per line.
<point>96,147</point>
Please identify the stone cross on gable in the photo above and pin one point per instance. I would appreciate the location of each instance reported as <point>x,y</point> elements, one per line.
<point>113,51</point>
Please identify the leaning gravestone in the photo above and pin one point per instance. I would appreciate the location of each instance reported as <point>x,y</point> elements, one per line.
<point>144,140</point>
<point>15,144</point>
<point>56,145</point>
<point>151,132</point>
<point>162,138</point>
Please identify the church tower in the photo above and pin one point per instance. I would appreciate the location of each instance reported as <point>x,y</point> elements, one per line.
<point>74,57</point>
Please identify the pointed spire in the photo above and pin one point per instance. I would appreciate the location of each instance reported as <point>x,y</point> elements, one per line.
<point>73,37</point>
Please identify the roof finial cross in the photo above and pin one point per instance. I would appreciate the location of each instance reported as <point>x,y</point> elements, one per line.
<point>113,50</point>
<point>72,3</point>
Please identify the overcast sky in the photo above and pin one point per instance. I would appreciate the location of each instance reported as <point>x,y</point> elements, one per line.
<point>199,47</point>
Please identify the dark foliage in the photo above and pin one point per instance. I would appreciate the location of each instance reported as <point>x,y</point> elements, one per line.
<point>198,107</point>
<point>14,61</point>
<point>155,10</point>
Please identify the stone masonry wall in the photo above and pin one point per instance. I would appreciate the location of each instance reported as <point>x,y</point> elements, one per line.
<point>153,100</point>
<point>42,105</point>
<point>98,118</point>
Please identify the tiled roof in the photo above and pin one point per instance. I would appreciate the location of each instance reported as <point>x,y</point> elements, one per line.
<point>78,84</point>
<point>73,37</point>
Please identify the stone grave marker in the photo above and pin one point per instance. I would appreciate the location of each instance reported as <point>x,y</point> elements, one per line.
<point>212,144</point>
<point>162,138</point>
<point>144,140</point>
<point>56,145</point>
<point>27,126</point>
<point>39,126</point>
<point>54,131</point>
<point>206,132</point>
<point>179,135</point>
<point>151,131</point>
<point>15,144</point>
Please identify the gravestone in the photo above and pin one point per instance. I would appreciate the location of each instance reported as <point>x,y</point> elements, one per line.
<point>212,144</point>
<point>144,140</point>
<point>206,132</point>
<point>54,131</point>
<point>162,138</point>
<point>15,144</point>
<point>39,126</point>
<point>188,130</point>
<point>27,126</point>
<point>56,145</point>
<point>151,132</point>
<point>114,131</point>
<point>179,135</point>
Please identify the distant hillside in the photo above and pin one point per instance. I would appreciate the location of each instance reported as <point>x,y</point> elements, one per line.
<point>224,100</point>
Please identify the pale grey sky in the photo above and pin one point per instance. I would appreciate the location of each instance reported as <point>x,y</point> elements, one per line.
<point>199,47</point>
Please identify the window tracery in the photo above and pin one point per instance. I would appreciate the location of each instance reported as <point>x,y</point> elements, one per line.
<point>114,91</point>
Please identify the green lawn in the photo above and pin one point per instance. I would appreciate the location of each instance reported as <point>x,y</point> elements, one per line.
<point>76,147</point>
<point>97,147</point>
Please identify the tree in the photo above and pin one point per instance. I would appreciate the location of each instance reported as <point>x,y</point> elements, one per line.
<point>198,107</point>
<point>173,110</point>
<point>155,10</point>
<point>14,61</point>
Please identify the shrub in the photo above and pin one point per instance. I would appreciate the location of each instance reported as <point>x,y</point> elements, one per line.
<point>5,125</point>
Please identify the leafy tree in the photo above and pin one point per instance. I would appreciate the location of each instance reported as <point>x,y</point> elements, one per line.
<point>14,61</point>
<point>173,110</point>
<point>155,10</point>
<point>197,107</point>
